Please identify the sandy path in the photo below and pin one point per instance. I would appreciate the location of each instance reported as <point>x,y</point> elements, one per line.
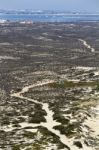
<point>50,122</point>
<point>87,45</point>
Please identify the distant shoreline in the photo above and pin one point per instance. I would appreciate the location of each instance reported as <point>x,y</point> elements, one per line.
<point>2,21</point>
<point>48,17</point>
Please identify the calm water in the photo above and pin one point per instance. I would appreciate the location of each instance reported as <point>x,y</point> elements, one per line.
<point>49,17</point>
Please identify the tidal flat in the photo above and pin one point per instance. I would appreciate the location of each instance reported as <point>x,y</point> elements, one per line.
<point>49,86</point>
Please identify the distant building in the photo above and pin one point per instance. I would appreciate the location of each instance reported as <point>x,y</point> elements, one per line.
<point>2,21</point>
<point>26,22</point>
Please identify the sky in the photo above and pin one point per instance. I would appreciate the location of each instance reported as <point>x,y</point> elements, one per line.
<point>62,5</point>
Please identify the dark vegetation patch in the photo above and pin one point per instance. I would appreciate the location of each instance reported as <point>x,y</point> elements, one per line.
<point>78,144</point>
<point>68,130</point>
<point>70,84</point>
<point>38,115</point>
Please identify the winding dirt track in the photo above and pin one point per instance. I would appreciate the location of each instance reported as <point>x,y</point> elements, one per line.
<point>50,122</point>
<point>87,45</point>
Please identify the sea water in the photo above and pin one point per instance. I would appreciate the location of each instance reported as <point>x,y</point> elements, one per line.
<point>50,17</point>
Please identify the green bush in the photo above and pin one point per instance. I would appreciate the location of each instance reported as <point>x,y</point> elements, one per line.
<point>97,88</point>
<point>16,147</point>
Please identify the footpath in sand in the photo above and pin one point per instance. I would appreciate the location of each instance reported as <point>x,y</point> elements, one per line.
<point>87,45</point>
<point>50,122</point>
